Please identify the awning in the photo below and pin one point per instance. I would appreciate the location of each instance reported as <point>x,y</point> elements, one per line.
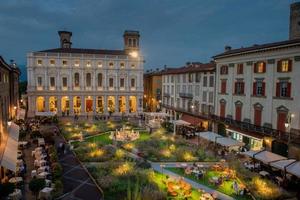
<point>281,164</point>
<point>9,159</point>
<point>191,119</point>
<point>264,156</point>
<point>180,122</point>
<point>224,141</point>
<point>45,114</point>
<point>294,169</point>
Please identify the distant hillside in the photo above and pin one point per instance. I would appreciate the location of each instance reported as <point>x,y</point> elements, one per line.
<point>23,72</point>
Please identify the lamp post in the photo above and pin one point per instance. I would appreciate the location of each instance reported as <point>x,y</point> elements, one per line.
<point>287,124</point>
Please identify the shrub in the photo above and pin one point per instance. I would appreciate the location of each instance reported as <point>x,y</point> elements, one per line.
<point>56,170</point>
<point>36,184</point>
<point>58,190</point>
<point>264,189</point>
<point>150,193</point>
<point>53,157</point>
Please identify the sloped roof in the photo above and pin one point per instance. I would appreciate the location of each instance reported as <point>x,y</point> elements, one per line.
<point>85,51</point>
<point>256,48</point>
<point>193,67</point>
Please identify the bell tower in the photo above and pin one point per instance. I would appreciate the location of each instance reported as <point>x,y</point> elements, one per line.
<point>65,39</point>
<point>295,21</point>
<point>131,41</point>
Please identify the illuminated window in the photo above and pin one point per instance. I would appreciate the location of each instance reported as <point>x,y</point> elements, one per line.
<point>88,64</point>
<point>260,67</point>
<point>52,62</point>
<point>122,65</point>
<point>76,63</point>
<point>132,65</point>
<point>64,62</point>
<point>284,65</point>
<point>111,64</point>
<point>99,64</point>
<point>39,62</point>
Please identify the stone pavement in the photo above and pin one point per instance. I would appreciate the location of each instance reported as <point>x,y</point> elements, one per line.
<point>77,183</point>
<point>156,167</point>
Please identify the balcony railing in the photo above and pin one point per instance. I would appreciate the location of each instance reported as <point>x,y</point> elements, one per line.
<point>261,130</point>
<point>186,95</point>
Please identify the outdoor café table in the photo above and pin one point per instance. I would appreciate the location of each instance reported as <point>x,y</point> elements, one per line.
<point>264,173</point>
<point>43,174</point>
<point>41,156</point>
<point>45,193</point>
<point>15,180</point>
<point>48,183</point>
<point>16,195</point>
<point>33,173</point>
<point>41,141</point>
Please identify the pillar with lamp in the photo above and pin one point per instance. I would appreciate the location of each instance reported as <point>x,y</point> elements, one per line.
<point>288,124</point>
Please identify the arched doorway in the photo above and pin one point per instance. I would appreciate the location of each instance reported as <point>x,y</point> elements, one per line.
<point>40,104</point>
<point>77,105</point>
<point>53,104</point>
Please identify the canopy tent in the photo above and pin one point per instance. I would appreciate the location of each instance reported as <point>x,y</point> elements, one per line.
<point>45,114</point>
<point>224,141</point>
<point>211,136</point>
<point>156,114</point>
<point>264,156</point>
<point>281,164</point>
<point>294,169</point>
<point>228,142</point>
<point>191,119</point>
<point>9,159</point>
<point>179,123</point>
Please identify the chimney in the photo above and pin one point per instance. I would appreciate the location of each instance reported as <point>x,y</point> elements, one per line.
<point>227,48</point>
<point>65,39</point>
<point>295,21</point>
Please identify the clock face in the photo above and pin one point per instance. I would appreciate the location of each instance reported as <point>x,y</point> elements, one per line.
<point>134,54</point>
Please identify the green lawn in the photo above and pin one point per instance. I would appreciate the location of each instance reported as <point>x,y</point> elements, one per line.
<point>103,138</point>
<point>225,188</point>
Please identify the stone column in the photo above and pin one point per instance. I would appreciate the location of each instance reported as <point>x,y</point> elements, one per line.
<point>71,108</point>
<point>127,104</point>
<point>82,105</point>
<point>105,105</point>
<point>59,106</point>
<point>94,105</point>
<point>117,104</point>
<point>46,103</point>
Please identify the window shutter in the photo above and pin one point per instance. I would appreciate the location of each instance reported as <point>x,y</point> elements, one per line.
<point>255,67</point>
<point>235,87</point>
<point>264,67</point>
<point>243,88</point>
<point>254,88</point>
<point>277,89</point>
<point>263,88</point>
<point>290,65</point>
<point>289,89</point>
<point>279,66</point>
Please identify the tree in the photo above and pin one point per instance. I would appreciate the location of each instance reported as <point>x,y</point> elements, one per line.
<point>35,185</point>
<point>6,189</point>
<point>222,129</point>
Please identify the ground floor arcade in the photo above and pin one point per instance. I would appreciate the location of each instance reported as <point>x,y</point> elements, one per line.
<point>70,105</point>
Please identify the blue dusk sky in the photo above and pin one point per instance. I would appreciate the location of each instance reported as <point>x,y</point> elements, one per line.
<point>172,31</point>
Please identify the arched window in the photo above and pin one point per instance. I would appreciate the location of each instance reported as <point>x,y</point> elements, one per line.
<point>100,80</point>
<point>76,79</point>
<point>88,80</point>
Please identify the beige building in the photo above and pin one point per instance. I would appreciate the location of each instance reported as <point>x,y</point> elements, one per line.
<point>68,81</point>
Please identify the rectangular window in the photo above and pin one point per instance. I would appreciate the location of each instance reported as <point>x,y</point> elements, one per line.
<point>183,78</point>
<point>111,64</point>
<point>223,86</point>
<point>178,78</point>
<point>205,81</point>
<point>224,70</point>
<point>190,77</point>
<point>65,81</point>
<point>239,87</point>
<point>211,97</point>
<point>240,68</point>
<point>172,79</point>
<point>39,62</point>
<point>260,67</point>
<point>197,90</point>
<point>64,62</point>
<point>52,81</point>
<point>122,65</point>
<point>284,65</point>
<point>132,82</point>
<point>122,82</point>
<point>198,75</point>
<point>52,62</point>
<point>39,81</point>
<point>99,64</point>
<point>111,82</point>
<point>76,64</point>
<point>190,89</point>
<point>183,88</point>
<point>211,81</point>
<point>204,97</point>
<point>283,89</point>
<point>88,63</point>
<point>0,77</point>
<point>172,89</point>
